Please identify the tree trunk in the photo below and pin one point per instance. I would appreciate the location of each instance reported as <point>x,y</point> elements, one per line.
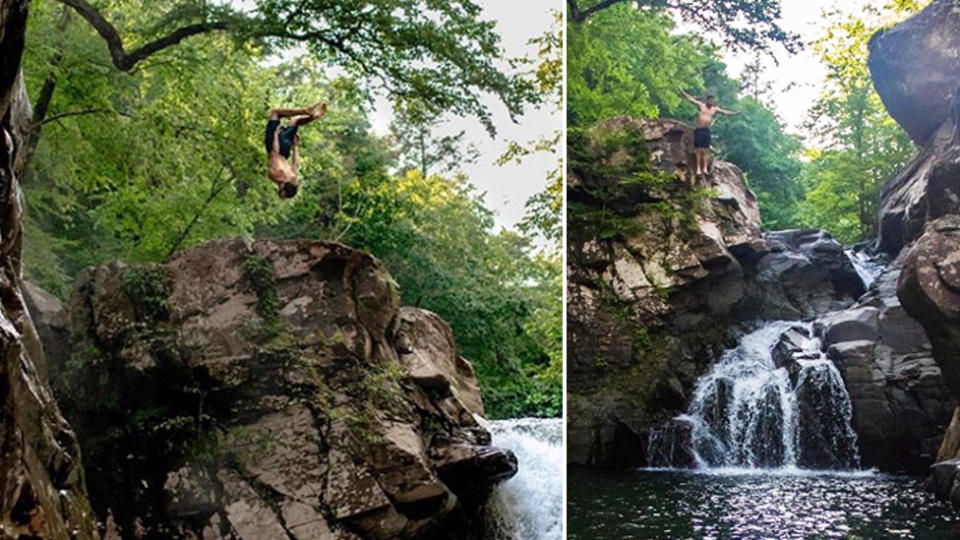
<point>42,494</point>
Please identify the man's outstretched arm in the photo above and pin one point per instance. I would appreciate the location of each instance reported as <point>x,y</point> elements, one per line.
<point>726,112</point>
<point>692,99</point>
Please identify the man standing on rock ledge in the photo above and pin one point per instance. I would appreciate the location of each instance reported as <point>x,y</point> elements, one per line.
<point>701,136</point>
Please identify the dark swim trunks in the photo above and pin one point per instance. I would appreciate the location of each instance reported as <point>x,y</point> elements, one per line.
<point>286,137</point>
<point>701,138</point>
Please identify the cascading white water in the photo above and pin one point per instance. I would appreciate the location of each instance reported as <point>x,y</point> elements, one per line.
<point>750,412</point>
<point>528,506</point>
<point>867,268</point>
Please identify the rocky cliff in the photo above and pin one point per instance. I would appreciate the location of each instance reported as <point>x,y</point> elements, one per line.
<point>916,69</point>
<point>662,277</point>
<point>42,493</point>
<point>272,390</point>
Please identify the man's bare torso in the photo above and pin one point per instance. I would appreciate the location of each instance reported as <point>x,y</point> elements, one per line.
<point>705,115</point>
<point>279,169</point>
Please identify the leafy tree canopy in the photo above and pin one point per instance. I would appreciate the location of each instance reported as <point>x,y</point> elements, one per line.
<point>439,53</point>
<point>741,24</point>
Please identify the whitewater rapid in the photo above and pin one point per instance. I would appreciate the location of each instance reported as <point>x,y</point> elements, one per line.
<point>528,506</point>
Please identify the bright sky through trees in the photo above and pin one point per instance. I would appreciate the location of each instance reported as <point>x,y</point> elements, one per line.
<point>797,80</point>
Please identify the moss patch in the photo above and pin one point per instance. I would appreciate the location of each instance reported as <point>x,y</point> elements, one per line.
<point>259,275</point>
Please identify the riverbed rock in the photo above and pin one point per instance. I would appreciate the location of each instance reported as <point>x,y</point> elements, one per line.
<point>273,389</point>
<point>862,323</point>
<point>944,481</point>
<point>900,402</point>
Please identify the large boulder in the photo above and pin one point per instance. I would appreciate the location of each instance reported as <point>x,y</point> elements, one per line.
<point>914,66</point>
<point>788,282</point>
<point>272,389</point>
<point>929,289</point>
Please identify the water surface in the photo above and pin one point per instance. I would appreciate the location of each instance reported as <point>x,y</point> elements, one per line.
<point>747,504</point>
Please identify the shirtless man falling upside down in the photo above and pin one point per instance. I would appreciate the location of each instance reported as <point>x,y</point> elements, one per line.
<point>282,141</point>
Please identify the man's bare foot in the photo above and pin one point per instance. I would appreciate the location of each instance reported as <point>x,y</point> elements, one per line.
<point>318,109</point>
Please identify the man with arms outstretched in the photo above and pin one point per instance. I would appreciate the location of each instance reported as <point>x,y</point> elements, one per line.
<point>283,144</point>
<point>701,136</point>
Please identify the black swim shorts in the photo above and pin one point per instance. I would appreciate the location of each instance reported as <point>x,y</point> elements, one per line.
<point>701,138</point>
<point>286,137</point>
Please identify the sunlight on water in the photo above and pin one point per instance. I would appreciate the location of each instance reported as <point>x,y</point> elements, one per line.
<point>747,504</point>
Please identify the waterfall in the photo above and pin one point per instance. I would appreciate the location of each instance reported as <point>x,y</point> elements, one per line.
<point>867,267</point>
<point>528,506</point>
<point>774,401</point>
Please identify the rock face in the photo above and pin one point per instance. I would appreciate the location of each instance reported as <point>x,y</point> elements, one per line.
<point>272,390</point>
<point>661,276</point>
<point>900,403</point>
<point>914,67</point>
<point>42,493</point>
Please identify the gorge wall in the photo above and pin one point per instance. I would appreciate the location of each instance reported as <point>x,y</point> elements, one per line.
<point>916,69</point>
<point>662,278</point>
<point>42,493</point>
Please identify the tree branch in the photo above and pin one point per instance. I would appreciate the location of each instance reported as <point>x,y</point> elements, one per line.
<point>579,15</point>
<point>78,113</point>
<point>123,60</point>
<point>215,190</point>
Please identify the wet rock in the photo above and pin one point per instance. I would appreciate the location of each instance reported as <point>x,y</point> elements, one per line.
<point>788,346</point>
<point>900,402</point>
<point>671,445</point>
<point>944,481</point>
<point>792,275</point>
<point>851,325</point>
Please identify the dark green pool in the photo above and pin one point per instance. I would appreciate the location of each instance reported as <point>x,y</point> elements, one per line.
<point>673,504</point>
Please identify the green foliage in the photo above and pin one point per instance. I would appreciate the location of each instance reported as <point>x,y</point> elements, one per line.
<point>148,289</point>
<point>421,147</point>
<point>137,165</point>
<point>741,24</point>
<point>260,277</point>
<point>626,61</point>
<point>861,146</point>
<point>440,53</point>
